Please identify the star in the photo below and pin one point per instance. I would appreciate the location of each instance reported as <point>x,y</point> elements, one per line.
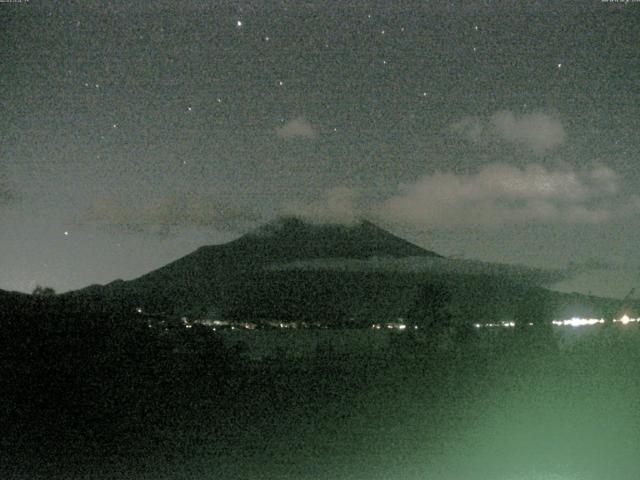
<point>559,65</point>
<point>239,23</point>
<point>189,109</point>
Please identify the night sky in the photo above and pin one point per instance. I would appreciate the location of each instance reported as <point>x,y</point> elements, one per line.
<point>132,133</point>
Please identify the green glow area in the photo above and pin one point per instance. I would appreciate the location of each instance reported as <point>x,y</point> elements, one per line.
<point>506,404</point>
<point>518,408</point>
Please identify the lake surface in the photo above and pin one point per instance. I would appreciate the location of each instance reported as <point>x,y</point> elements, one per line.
<point>360,405</point>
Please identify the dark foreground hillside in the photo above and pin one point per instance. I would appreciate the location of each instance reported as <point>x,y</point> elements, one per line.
<point>99,398</point>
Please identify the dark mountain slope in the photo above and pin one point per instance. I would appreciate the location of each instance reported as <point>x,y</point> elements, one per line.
<point>200,281</point>
<point>238,280</point>
<point>292,239</point>
<point>14,302</point>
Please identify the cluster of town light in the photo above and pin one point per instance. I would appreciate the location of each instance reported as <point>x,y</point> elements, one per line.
<point>578,322</point>
<point>569,322</point>
<point>581,322</point>
<point>398,325</point>
<point>495,325</point>
<point>391,326</point>
<point>625,319</point>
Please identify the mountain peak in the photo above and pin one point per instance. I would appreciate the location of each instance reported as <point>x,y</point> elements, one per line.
<point>289,238</point>
<point>285,225</point>
<point>210,274</point>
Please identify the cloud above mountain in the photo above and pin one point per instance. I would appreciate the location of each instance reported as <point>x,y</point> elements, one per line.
<point>500,194</point>
<point>337,205</point>
<point>438,265</point>
<point>167,215</point>
<point>297,128</point>
<point>539,132</point>
<point>497,194</point>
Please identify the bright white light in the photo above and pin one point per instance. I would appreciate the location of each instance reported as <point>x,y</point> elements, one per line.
<point>625,320</point>
<point>239,23</point>
<point>401,327</point>
<point>577,322</point>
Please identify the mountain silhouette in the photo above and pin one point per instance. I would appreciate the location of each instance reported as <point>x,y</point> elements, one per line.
<point>238,271</point>
<point>290,238</point>
<point>264,275</point>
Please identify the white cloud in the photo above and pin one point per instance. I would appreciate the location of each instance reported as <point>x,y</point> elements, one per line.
<point>501,194</point>
<point>296,128</point>
<point>338,205</point>
<point>470,128</point>
<point>167,215</point>
<point>539,132</point>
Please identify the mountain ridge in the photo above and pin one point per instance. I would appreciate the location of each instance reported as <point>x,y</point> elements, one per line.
<point>236,280</point>
<point>288,239</point>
